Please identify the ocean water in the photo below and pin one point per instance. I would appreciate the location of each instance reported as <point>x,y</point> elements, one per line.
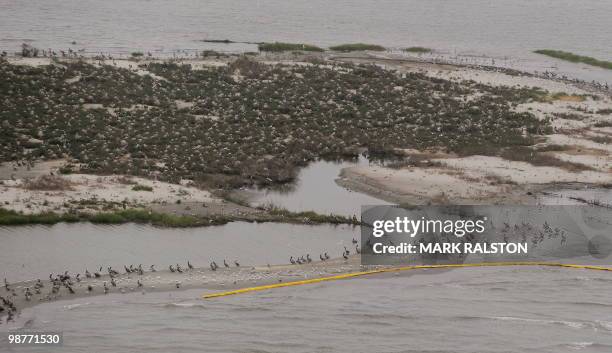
<point>481,26</point>
<point>477,310</point>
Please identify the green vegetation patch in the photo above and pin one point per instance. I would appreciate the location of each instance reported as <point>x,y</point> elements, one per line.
<point>567,56</point>
<point>357,47</point>
<point>418,50</point>
<point>280,47</point>
<point>8,217</point>
<point>311,216</point>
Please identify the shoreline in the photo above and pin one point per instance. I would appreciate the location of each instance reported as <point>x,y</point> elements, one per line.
<point>165,281</point>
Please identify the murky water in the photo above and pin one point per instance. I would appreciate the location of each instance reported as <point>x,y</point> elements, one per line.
<point>472,27</point>
<point>316,190</point>
<point>478,310</point>
<point>34,252</point>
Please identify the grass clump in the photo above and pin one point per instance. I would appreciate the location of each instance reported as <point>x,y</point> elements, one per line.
<point>418,50</point>
<point>12,218</point>
<point>310,216</point>
<point>140,187</point>
<point>567,56</point>
<point>280,47</point>
<point>357,47</point>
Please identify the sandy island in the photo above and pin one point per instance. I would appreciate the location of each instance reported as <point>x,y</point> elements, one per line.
<point>581,138</point>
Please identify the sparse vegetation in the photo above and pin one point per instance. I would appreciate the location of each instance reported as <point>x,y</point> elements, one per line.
<point>310,216</point>
<point>137,54</point>
<point>603,124</point>
<point>140,187</point>
<point>532,156</point>
<point>604,111</point>
<point>357,47</point>
<point>280,47</point>
<point>48,183</point>
<point>567,56</point>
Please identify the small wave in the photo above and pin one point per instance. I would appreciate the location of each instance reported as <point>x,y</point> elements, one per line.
<point>184,305</point>
<point>75,306</point>
<point>572,324</point>
<point>582,345</point>
<point>597,325</point>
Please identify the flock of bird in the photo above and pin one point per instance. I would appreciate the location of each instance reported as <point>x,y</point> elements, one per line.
<point>69,283</point>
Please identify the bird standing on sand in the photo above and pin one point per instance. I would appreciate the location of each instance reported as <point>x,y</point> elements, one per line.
<point>189,265</point>
<point>152,268</point>
<point>225,263</point>
<point>236,263</point>
<point>321,257</point>
<point>326,256</point>
<point>292,260</point>
<point>357,250</point>
<point>171,269</point>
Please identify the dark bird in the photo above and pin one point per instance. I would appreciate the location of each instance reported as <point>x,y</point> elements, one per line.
<point>236,263</point>
<point>225,263</point>
<point>189,265</point>
<point>171,269</point>
<point>292,260</point>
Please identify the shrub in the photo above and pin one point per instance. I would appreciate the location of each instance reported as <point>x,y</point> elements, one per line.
<point>357,47</point>
<point>280,47</point>
<point>140,187</point>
